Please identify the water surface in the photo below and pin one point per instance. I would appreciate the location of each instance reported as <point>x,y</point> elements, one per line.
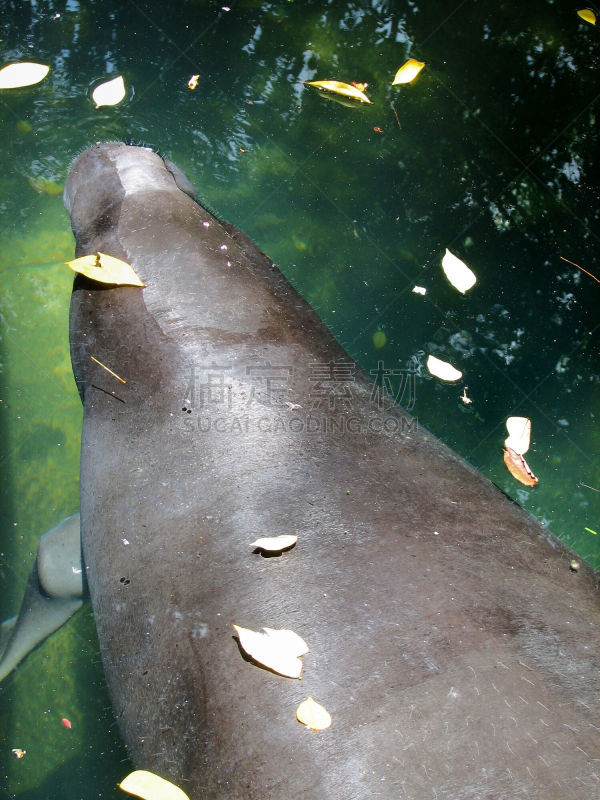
<point>492,152</point>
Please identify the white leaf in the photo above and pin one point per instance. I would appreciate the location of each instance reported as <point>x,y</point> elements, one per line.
<point>293,644</point>
<point>457,272</point>
<point>275,544</point>
<point>278,650</point>
<point>441,369</point>
<point>109,93</point>
<point>519,434</point>
<point>149,786</point>
<point>26,73</point>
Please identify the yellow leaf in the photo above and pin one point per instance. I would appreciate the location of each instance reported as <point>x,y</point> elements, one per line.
<point>109,93</point>
<point>25,73</point>
<point>151,787</point>
<point>379,339</point>
<point>408,71</point>
<point>313,715</point>
<point>45,186</point>
<point>275,544</point>
<point>106,269</point>
<point>279,650</point>
<point>338,87</point>
<point>588,15</point>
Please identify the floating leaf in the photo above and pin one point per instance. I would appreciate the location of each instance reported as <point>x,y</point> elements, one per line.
<point>279,650</point>
<point>408,71</point>
<point>106,269</point>
<point>519,468</point>
<point>338,87</point>
<point>519,434</point>
<point>588,15</point>
<point>457,272</point>
<point>443,370</point>
<point>379,339</point>
<point>25,73</point>
<point>23,126</point>
<point>45,186</point>
<point>275,544</point>
<point>151,787</point>
<point>313,715</point>
<point>109,93</point>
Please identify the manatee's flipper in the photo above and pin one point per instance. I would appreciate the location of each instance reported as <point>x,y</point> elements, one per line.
<point>54,592</point>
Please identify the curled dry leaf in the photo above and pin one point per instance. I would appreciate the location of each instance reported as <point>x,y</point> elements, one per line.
<point>519,468</point>
<point>442,369</point>
<point>275,544</point>
<point>465,398</point>
<point>408,71</point>
<point>106,269</point>
<point>313,715</point>
<point>278,650</point>
<point>339,87</point>
<point>519,434</point>
<point>109,93</point>
<point>25,73</point>
<point>149,786</point>
<point>457,272</point>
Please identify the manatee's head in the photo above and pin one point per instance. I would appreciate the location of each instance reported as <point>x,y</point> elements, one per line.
<point>102,176</point>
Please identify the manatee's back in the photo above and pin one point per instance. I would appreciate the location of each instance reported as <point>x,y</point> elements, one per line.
<point>453,648</point>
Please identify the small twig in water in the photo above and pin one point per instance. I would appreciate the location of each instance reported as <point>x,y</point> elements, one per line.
<point>593,277</point>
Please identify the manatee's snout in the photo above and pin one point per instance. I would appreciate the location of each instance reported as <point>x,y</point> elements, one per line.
<point>103,175</point>
<point>101,178</point>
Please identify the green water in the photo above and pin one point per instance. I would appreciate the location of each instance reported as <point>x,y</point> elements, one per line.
<point>491,152</point>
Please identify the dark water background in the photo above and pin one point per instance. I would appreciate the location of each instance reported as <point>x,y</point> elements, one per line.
<point>492,152</point>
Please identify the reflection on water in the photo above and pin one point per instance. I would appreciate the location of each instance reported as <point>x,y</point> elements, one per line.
<point>491,152</point>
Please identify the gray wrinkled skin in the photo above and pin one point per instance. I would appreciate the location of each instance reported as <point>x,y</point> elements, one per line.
<point>457,665</point>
